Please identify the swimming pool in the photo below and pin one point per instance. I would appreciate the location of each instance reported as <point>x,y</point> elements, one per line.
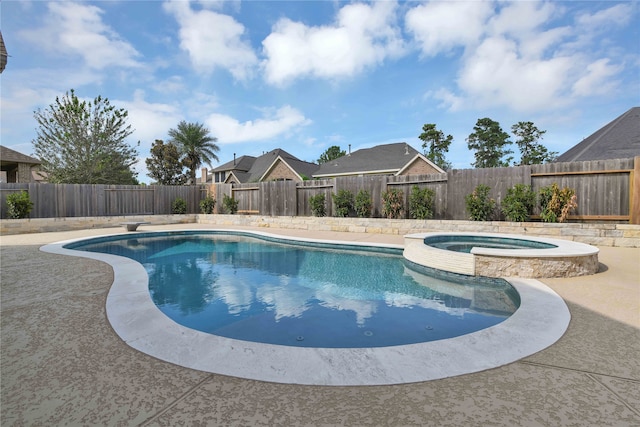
<point>269,291</point>
<point>540,320</point>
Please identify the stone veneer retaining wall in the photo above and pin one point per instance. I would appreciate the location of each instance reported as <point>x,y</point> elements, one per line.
<point>44,225</point>
<point>622,235</point>
<point>536,267</point>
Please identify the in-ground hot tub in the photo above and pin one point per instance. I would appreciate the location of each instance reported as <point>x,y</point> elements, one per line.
<point>501,255</point>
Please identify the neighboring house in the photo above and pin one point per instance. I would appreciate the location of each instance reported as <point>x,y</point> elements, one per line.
<point>388,159</point>
<point>3,54</point>
<point>276,165</point>
<point>238,166</point>
<point>18,167</point>
<point>619,139</point>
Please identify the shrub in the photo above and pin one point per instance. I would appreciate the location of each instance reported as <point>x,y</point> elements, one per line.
<point>179,206</point>
<point>363,204</point>
<point>343,201</point>
<point>317,205</point>
<point>392,203</point>
<point>479,205</point>
<point>19,205</point>
<point>518,203</point>
<point>229,204</point>
<point>207,204</point>
<point>421,202</point>
<point>557,203</point>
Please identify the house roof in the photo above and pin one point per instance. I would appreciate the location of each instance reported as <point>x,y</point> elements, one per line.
<point>242,163</point>
<point>7,155</point>
<point>253,169</point>
<point>619,139</point>
<point>3,54</point>
<point>386,158</point>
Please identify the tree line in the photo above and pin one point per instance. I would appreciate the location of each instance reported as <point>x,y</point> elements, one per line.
<point>489,142</point>
<point>490,145</point>
<point>84,142</point>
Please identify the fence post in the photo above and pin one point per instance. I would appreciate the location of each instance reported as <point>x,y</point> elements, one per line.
<point>634,192</point>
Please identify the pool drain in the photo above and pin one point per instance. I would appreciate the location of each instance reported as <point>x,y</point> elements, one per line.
<point>299,338</point>
<point>429,327</point>
<point>368,333</point>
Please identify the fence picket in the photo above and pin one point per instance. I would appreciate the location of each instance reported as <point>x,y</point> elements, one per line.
<point>603,190</point>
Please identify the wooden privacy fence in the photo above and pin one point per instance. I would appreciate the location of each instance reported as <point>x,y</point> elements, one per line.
<point>86,200</point>
<point>607,190</point>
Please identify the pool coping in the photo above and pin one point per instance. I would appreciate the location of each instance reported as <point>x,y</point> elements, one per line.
<point>541,320</point>
<point>573,258</point>
<point>563,248</point>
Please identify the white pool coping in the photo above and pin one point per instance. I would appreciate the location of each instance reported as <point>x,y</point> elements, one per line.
<point>541,320</point>
<point>562,249</point>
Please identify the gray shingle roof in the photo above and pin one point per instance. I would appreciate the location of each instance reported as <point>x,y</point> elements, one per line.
<point>251,169</point>
<point>3,54</point>
<point>619,139</point>
<point>242,163</point>
<point>386,158</point>
<point>7,155</point>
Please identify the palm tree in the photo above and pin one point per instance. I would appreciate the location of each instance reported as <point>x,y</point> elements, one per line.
<point>196,146</point>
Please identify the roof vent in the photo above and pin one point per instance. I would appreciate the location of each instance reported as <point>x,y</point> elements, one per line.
<point>349,150</point>
<point>406,149</point>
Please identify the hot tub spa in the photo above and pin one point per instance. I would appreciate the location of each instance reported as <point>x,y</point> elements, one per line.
<point>501,255</point>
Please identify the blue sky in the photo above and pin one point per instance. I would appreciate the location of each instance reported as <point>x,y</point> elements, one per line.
<point>306,75</point>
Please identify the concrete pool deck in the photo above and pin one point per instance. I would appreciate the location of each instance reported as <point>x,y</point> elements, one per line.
<point>61,363</point>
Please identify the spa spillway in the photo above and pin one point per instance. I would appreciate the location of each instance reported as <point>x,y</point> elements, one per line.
<point>501,255</point>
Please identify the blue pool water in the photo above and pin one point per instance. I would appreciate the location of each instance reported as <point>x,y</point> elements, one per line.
<point>306,295</point>
<point>464,243</point>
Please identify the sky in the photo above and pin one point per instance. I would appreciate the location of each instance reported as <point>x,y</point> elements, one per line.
<point>306,75</point>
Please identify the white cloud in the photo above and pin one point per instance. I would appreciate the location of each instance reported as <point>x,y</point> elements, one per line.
<point>495,74</point>
<point>448,99</point>
<point>78,29</point>
<point>151,121</point>
<point>439,27</point>
<point>617,15</point>
<point>362,36</point>
<point>521,18</point>
<point>229,130</point>
<point>597,79</point>
<point>520,60</point>
<point>171,84</point>
<point>213,40</point>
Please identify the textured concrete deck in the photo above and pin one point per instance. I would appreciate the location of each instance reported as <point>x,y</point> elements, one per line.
<point>61,363</point>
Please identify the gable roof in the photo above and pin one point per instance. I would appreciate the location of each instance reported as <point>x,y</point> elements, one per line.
<point>242,163</point>
<point>3,54</point>
<point>254,169</point>
<point>7,155</point>
<point>619,139</point>
<point>381,159</point>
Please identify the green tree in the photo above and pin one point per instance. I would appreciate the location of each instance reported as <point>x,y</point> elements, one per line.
<point>532,151</point>
<point>331,153</point>
<point>164,165</point>
<point>83,142</point>
<point>435,144</point>
<point>489,142</point>
<point>195,145</point>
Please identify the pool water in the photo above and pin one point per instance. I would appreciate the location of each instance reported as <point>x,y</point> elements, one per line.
<point>275,292</point>
<point>464,243</point>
